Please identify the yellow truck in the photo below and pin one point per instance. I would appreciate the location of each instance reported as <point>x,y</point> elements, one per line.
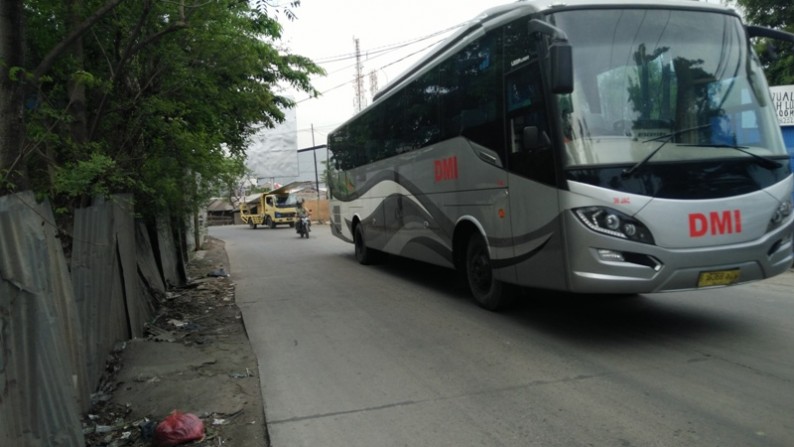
<point>272,208</point>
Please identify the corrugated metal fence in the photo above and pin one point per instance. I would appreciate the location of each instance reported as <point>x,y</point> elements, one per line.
<point>57,326</point>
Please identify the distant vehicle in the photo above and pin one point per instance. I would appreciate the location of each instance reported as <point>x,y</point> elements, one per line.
<point>303,226</point>
<point>273,208</point>
<point>613,147</point>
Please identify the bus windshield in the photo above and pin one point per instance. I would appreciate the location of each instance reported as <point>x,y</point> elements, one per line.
<point>649,77</point>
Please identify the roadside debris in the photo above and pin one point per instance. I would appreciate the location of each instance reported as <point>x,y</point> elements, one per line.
<point>201,313</point>
<point>178,428</point>
<point>220,272</point>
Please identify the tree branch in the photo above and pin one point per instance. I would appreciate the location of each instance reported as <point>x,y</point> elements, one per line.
<point>134,49</point>
<point>81,29</point>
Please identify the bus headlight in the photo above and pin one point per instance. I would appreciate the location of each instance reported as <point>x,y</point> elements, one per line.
<point>782,212</point>
<point>613,223</point>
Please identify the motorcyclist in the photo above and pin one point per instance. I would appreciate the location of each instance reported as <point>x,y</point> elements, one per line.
<point>300,212</point>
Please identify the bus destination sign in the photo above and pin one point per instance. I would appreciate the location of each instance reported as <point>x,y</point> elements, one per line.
<point>783,101</point>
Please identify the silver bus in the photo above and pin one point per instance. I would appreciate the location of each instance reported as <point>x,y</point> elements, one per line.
<point>606,147</point>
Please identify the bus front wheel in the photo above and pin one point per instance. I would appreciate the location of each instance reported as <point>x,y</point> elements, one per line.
<point>489,292</point>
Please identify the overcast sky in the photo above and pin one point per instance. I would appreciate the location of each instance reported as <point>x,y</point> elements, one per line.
<point>392,35</point>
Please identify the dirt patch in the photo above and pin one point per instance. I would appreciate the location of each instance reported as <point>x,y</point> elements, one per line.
<point>196,358</point>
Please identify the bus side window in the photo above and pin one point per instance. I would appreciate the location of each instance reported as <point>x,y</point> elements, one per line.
<point>467,104</point>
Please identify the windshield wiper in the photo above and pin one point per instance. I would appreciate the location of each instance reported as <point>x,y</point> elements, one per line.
<point>667,138</point>
<point>762,161</point>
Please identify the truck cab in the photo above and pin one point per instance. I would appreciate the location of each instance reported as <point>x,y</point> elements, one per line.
<point>272,208</point>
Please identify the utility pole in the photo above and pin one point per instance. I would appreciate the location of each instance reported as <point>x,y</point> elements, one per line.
<point>316,176</point>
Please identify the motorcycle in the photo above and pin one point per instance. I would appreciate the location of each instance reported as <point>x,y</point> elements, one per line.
<point>303,226</point>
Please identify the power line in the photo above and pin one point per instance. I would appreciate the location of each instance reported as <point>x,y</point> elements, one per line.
<point>372,55</point>
<point>384,48</point>
<point>315,129</point>
<point>343,84</point>
<point>377,52</point>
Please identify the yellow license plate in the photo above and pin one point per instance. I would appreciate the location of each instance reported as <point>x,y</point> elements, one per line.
<point>718,278</point>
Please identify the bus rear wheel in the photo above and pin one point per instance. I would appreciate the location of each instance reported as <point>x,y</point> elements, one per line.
<point>488,292</point>
<point>364,254</point>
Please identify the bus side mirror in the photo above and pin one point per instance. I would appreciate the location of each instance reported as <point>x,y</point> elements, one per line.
<point>560,55</point>
<point>534,139</point>
<point>761,31</point>
<point>561,67</point>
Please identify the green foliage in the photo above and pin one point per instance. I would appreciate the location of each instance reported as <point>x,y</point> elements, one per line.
<point>160,100</point>
<point>85,78</point>
<point>5,185</point>
<point>17,74</point>
<point>267,5</point>
<point>777,57</point>
<point>98,176</point>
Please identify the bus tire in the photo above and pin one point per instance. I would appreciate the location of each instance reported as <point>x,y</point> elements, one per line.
<point>269,222</point>
<point>252,225</point>
<point>489,293</point>
<point>364,254</point>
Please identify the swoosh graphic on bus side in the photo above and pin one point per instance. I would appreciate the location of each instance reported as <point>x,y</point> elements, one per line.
<point>432,245</point>
<point>336,231</point>
<point>544,232</point>
<point>411,212</point>
<point>502,263</point>
<point>424,241</point>
<point>416,195</point>
<point>382,176</point>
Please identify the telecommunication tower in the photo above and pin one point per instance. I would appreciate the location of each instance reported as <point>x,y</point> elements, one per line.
<point>373,83</point>
<point>358,84</point>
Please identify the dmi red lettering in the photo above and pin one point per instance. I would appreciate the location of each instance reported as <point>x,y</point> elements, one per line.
<point>698,225</point>
<point>716,223</point>
<point>446,169</point>
<point>721,223</point>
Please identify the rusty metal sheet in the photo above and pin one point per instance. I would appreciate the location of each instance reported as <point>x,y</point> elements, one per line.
<point>41,366</point>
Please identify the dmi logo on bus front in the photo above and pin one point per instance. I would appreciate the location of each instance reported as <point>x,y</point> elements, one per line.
<point>446,169</point>
<point>726,222</point>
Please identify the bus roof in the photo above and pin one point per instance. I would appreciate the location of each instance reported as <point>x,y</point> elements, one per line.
<point>552,4</point>
<point>500,15</point>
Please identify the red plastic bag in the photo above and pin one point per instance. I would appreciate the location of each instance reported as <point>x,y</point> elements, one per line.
<point>178,428</point>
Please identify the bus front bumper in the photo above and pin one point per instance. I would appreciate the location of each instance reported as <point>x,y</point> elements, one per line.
<point>604,264</point>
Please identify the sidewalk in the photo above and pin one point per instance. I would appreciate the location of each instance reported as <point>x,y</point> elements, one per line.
<point>196,359</point>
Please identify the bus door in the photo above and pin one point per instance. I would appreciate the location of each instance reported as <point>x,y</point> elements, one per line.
<point>534,200</point>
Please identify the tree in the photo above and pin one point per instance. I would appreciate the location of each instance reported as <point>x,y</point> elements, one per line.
<point>12,173</point>
<point>153,97</point>
<point>777,57</point>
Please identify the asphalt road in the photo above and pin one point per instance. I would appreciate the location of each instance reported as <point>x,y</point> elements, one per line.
<point>399,355</point>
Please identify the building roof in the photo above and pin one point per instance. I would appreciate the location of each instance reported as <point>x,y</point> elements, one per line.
<point>220,205</point>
